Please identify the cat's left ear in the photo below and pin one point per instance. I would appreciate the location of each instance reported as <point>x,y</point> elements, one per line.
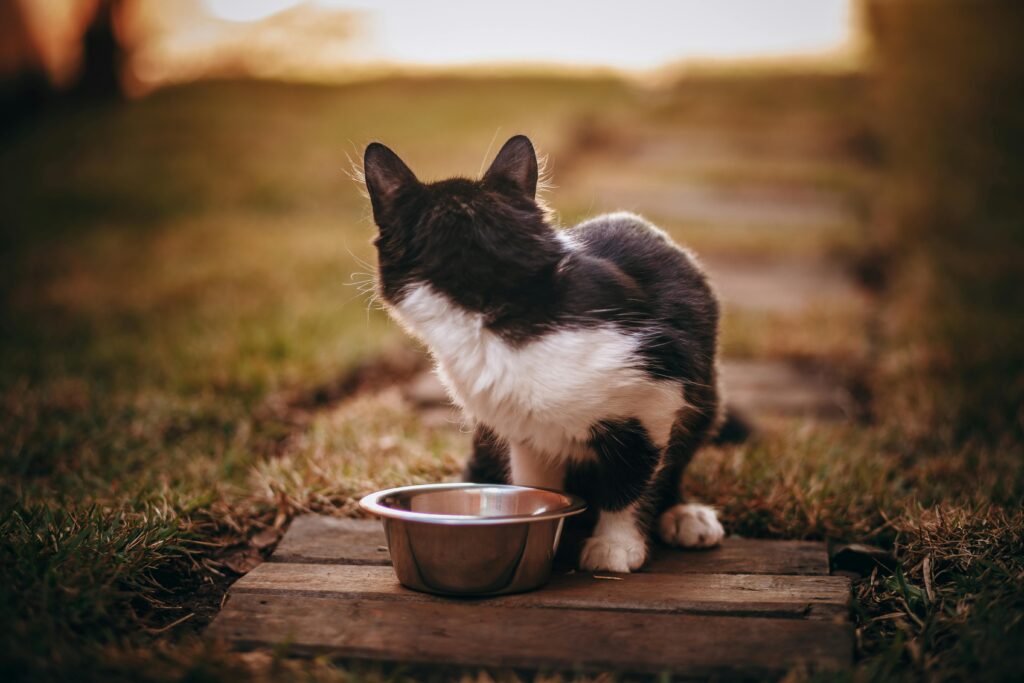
<point>516,163</point>
<point>386,176</point>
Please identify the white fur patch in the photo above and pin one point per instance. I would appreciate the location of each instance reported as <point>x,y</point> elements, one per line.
<point>617,545</point>
<point>546,393</point>
<point>566,239</point>
<point>691,526</point>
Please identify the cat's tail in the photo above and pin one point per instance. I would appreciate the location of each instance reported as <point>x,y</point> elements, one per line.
<point>736,428</point>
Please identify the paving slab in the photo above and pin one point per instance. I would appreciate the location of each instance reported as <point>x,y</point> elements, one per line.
<point>759,388</point>
<point>780,285</point>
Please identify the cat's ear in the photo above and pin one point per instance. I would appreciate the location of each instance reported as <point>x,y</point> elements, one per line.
<point>386,175</point>
<point>516,163</point>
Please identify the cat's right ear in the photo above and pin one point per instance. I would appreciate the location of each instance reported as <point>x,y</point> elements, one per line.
<point>386,176</point>
<point>516,166</point>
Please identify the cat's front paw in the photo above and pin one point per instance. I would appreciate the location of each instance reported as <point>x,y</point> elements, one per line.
<point>691,526</point>
<point>620,555</point>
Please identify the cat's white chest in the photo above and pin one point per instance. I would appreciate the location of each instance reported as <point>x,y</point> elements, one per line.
<point>548,392</point>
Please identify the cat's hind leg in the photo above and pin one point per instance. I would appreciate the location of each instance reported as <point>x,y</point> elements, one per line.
<point>690,525</point>
<point>682,523</point>
<point>616,480</point>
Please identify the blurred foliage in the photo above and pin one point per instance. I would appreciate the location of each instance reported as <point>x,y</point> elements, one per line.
<point>950,77</point>
<point>949,88</point>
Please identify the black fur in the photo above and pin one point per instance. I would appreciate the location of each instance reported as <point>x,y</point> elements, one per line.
<point>622,470</point>
<point>485,245</point>
<point>488,464</point>
<point>736,428</point>
<point>689,432</point>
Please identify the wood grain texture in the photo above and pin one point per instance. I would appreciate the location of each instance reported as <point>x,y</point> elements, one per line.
<point>822,597</point>
<point>314,539</point>
<point>453,633</point>
<point>743,556</point>
<point>317,538</point>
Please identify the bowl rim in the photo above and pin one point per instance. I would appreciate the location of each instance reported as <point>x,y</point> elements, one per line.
<point>371,503</point>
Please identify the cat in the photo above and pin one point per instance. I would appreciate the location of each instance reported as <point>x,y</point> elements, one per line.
<point>585,358</point>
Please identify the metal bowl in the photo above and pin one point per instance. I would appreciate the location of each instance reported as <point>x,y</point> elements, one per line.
<point>472,539</point>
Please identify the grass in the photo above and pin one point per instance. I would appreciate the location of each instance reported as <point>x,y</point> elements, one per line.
<point>177,270</point>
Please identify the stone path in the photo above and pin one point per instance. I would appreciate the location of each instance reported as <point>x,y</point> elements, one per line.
<point>763,387</point>
<point>778,285</point>
<point>696,202</point>
<point>758,388</point>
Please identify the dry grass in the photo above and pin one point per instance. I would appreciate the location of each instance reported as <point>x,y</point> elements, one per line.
<point>370,442</point>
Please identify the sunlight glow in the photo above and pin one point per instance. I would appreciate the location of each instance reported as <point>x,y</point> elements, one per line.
<point>640,34</point>
<point>329,40</point>
<point>248,10</point>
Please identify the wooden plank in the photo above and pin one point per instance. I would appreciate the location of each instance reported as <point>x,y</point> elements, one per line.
<point>471,634</point>
<point>743,556</point>
<point>315,539</point>
<point>318,539</point>
<point>734,594</point>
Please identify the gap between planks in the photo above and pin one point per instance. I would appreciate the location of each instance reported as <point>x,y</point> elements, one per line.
<point>317,539</point>
<point>817,597</point>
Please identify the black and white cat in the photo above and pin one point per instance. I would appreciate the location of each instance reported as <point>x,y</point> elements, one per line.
<point>584,357</point>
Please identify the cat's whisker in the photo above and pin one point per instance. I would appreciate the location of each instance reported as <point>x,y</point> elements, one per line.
<point>373,304</point>
<point>362,284</point>
<point>362,262</point>
<point>359,294</point>
<point>490,145</point>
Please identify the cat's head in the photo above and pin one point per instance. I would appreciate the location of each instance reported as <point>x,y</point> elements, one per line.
<point>482,243</point>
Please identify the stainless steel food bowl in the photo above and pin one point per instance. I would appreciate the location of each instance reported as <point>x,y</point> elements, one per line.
<point>472,539</point>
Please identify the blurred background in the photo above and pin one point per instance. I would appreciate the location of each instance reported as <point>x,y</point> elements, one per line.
<point>191,352</point>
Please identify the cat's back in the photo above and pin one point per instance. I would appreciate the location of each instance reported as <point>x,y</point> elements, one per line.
<point>673,282</point>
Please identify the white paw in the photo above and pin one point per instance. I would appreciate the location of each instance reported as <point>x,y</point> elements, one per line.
<point>691,526</point>
<point>620,555</point>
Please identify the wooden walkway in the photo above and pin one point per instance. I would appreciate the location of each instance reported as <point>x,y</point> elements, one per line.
<point>750,609</point>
